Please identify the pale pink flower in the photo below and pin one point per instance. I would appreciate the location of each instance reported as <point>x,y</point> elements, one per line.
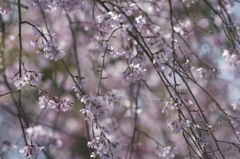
<point>31,151</point>
<point>95,109</point>
<point>103,148</point>
<point>30,78</point>
<point>232,56</point>
<point>55,103</point>
<point>110,99</point>
<point>20,82</point>
<point>169,106</point>
<point>133,73</point>
<point>109,21</point>
<point>50,51</point>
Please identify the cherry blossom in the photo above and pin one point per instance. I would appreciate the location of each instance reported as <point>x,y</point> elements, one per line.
<point>103,148</point>
<point>95,109</point>
<point>133,73</point>
<point>108,21</point>
<point>111,98</point>
<point>55,103</point>
<point>169,106</point>
<point>232,56</point>
<point>152,79</point>
<point>31,151</point>
<point>50,51</point>
<point>30,78</point>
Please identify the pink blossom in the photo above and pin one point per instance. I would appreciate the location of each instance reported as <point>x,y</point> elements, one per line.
<point>108,21</point>
<point>133,73</point>
<point>95,109</point>
<point>111,98</point>
<point>31,151</point>
<point>50,51</point>
<point>169,106</point>
<point>103,148</point>
<point>30,78</point>
<point>55,103</point>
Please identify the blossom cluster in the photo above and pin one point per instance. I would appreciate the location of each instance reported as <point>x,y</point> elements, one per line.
<point>48,47</point>
<point>67,5</point>
<point>178,126</point>
<point>103,148</point>
<point>79,89</point>
<point>111,98</point>
<point>31,151</point>
<point>95,109</point>
<point>232,56</point>
<point>30,78</point>
<point>39,134</point>
<point>55,103</point>
<point>109,20</point>
<point>133,73</point>
<point>169,105</point>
